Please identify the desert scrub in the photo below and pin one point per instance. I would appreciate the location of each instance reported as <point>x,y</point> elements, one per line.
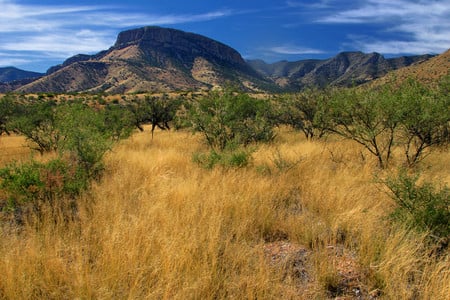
<point>421,207</point>
<point>229,119</point>
<point>28,185</point>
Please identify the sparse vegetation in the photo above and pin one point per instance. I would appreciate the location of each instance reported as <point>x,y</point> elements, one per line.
<point>289,219</point>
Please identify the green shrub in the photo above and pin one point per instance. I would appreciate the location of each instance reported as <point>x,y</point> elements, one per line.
<point>366,116</point>
<point>237,158</point>
<point>424,119</point>
<point>85,136</point>
<point>7,107</point>
<point>119,121</point>
<point>157,111</point>
<point>33,182</point>
<point>227,119</point>
<point>421,207</point>
<point>299,110</point>
<point>36,121</point>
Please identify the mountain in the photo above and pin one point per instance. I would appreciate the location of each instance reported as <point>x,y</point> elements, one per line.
<point>344,69</point>
<point>152,59</point>
<point>9,74</point>
<point>160,59</point>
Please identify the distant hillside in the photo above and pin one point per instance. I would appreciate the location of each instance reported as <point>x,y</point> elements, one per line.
<point>344,69</point>
<point>152,59</point>
<point>9,74</point>
<point>429,71</point>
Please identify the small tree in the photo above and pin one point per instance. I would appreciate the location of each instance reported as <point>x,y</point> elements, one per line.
<point>36,121</point>
<point>369,117</point>
<point>424,118</point>
<point>84,135</point>
<point>227,119</point>
<point>157,111</point>
<point>6,112</point>
<point>420,206</point>
<point>299,111</point>
<point>119,121</point>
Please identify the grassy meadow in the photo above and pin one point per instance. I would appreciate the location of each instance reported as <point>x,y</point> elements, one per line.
<point>304,220</point>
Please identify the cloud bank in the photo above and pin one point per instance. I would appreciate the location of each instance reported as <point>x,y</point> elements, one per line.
<point>420,26</point>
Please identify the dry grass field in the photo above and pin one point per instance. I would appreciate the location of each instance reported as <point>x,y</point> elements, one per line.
<point>305,220</point>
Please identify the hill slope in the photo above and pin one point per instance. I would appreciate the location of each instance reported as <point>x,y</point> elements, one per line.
<point>428,72</point>
<point>9,74</point>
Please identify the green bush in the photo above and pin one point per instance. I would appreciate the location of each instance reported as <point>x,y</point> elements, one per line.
<point>7,107</point>
<point>237,158</point>
<point>157,111</point>
<point>421,207</point>
<point>424,118</point>
<point>119,121</point>
<point>34,182</point>
<point>36,121</point>
<point>228,119</point>
<point>85,136</point>
<point>299,110</point>
<point>412,115</point>
<point>366,116</point>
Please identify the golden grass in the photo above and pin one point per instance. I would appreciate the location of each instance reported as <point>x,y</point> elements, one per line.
<point>12,148</point>
<point>158,226</point>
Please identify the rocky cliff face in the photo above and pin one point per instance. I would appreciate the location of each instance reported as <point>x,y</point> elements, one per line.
<point>182,46</point>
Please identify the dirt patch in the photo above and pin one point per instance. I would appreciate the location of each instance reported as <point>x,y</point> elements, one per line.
<point>295,263</point>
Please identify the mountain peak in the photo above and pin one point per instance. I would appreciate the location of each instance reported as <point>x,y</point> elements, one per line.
<point>153,59</point>
<point>185,45</point>
<point>154,34</point>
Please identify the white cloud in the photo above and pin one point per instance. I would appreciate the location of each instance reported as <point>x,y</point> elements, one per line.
<point>421,26</point>
<point>293,50</point>
<point>398,47</point>
<point>60,44</point>
<point>125,20</point>
<point>316,4</point>
<point>378,11</point>
<point>11,61</point>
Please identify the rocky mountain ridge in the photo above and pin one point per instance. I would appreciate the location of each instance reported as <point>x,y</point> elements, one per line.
<point>156,59</point>
<point>344,69</point>
<point>152,59</point>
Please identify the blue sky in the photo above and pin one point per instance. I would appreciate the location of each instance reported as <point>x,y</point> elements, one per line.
<point>35,35</point>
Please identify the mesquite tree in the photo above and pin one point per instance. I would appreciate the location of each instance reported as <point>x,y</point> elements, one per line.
<point>424,118</point>
<point>228,119</point>
<point>368,117</point>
